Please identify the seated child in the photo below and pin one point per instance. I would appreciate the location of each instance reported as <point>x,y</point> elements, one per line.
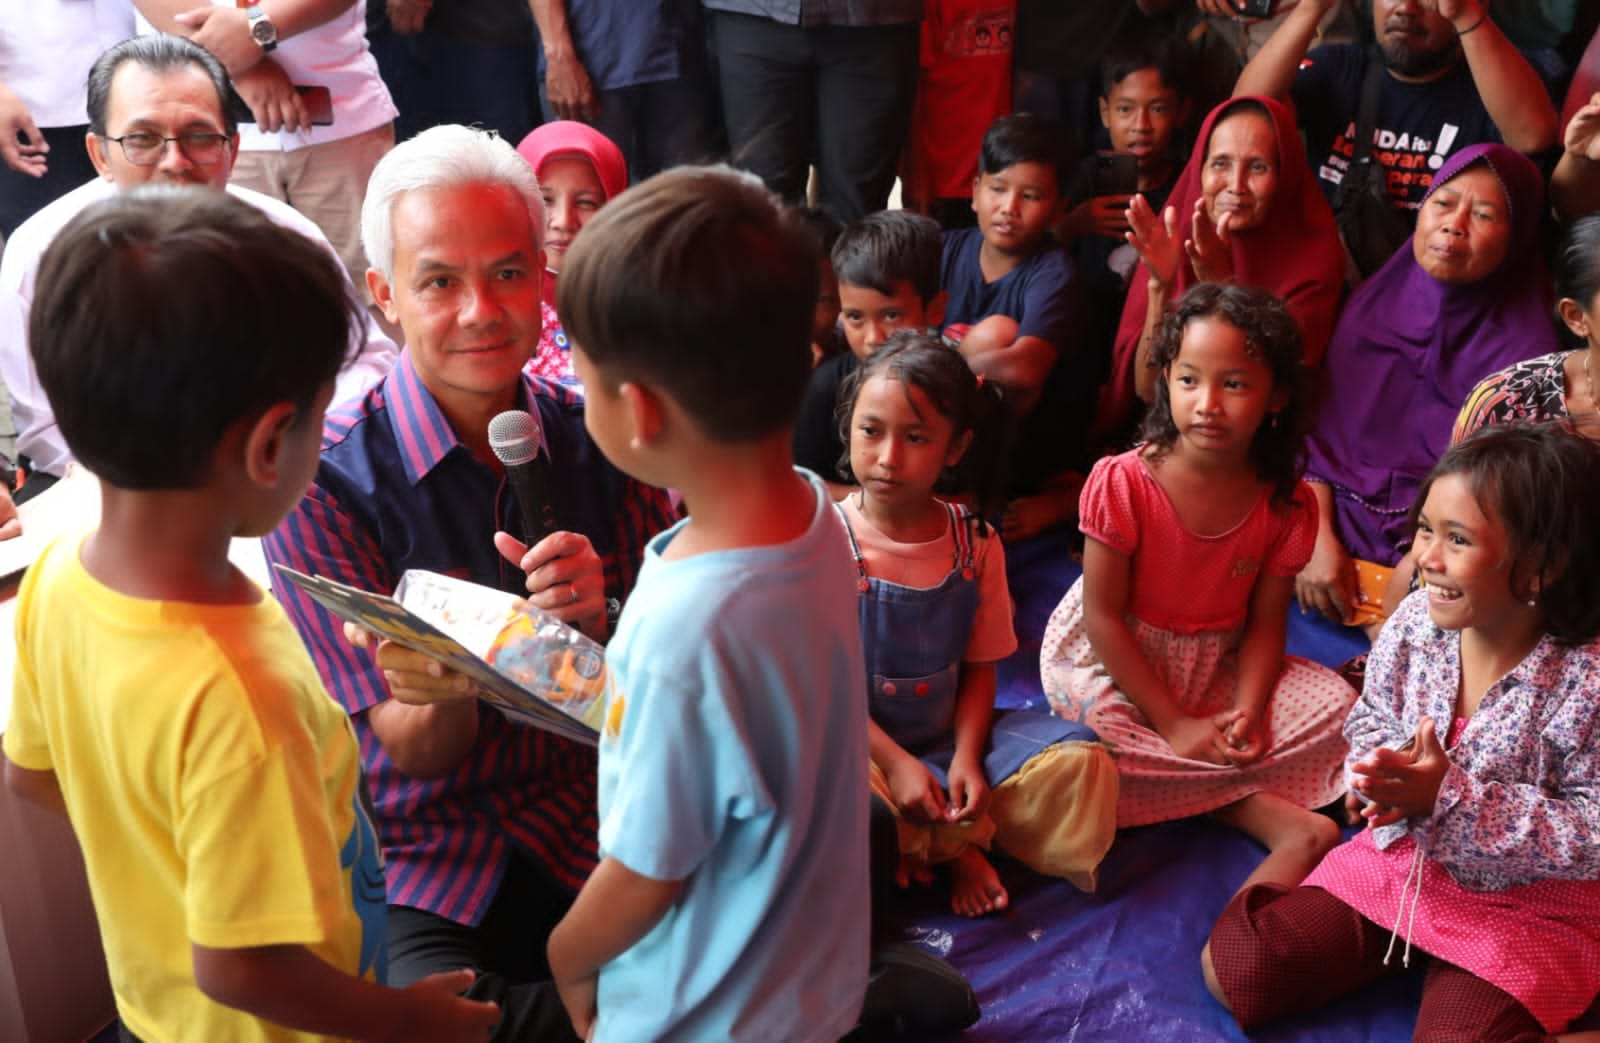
<point>826,338</point>
<point>733,761</point>
<point>887,267</point>
<point>935,618</point>
<point>163,703</point>
<point>1143,106</point>
<point>1473,750</point>
<point>1012,269</point>
<point>1171,644</point>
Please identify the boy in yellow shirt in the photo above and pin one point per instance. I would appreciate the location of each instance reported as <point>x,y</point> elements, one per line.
<point>161,701</point>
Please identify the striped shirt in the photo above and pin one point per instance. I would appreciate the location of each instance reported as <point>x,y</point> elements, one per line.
<point>397,490</point>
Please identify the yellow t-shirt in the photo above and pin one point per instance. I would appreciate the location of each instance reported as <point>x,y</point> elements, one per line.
<point>212,784</point>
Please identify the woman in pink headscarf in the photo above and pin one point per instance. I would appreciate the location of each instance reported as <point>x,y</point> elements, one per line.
<point>579,168</point>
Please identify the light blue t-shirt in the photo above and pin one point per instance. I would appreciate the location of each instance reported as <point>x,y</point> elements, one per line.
<point>734,758</point>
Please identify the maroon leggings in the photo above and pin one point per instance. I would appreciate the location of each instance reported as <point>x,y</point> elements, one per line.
<point>1278,951</point>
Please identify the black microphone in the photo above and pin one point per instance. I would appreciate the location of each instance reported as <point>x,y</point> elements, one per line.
<point>516,438</point>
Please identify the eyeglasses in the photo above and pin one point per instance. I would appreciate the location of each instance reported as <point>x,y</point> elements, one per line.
<point>143,149</point>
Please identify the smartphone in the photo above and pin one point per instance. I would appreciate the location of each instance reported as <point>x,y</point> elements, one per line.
<point>1115,174</point>
<point>319,103</point>
<point>1257,8</point>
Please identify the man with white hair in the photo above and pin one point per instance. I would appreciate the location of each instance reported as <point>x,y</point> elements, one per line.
<point>488,827</point>
<point>157,114</point>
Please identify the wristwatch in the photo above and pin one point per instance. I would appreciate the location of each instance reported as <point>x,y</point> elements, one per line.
<point>262,31</point>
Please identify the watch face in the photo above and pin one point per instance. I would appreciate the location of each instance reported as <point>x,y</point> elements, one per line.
<point>262,31</point>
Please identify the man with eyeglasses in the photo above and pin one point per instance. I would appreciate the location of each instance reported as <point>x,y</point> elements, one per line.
<point>157,114</point>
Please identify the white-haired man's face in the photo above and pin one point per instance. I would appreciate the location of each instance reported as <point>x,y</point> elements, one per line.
<point>465,289</point>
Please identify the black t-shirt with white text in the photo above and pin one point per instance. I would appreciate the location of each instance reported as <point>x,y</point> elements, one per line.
<point>1419,125</point>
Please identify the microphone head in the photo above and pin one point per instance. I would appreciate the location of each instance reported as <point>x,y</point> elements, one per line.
<point>515,437</point>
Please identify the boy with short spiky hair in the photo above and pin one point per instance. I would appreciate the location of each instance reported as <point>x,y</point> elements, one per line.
<point>731,900</point>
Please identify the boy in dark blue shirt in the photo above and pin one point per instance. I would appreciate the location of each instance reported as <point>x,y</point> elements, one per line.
<point>1015,303</point>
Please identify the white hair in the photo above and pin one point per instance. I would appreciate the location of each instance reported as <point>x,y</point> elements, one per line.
<point>442,157</point>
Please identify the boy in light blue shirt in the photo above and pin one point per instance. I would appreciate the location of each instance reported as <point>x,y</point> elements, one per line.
<point>731,901</point>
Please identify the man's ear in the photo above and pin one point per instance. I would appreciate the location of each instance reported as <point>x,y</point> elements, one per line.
<point>933,312</point>
<point>1105,112</point>
<point>264,439</point>
<point>95,145</point>
<point>382,295</point>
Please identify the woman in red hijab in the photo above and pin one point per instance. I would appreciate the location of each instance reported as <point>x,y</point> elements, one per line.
<point>579,168</point>
<point>1247,210</point>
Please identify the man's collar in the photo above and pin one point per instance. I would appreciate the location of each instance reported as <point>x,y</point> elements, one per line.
<point>421,430</point>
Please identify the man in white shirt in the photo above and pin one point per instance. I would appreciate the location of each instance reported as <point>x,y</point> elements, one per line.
<point>46,48</point>
<point>295,64</point>
<point>156,114</point>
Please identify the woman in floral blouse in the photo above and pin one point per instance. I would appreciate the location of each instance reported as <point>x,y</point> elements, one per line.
<point>1561,385</point>
<point>1475,759</point>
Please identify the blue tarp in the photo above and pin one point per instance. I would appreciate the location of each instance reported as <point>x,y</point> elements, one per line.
<point>1123,963</point>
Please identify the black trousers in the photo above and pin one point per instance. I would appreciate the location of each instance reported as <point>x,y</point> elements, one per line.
<point>66,167</point>
<point>507,950</point>
<point>837,95</point>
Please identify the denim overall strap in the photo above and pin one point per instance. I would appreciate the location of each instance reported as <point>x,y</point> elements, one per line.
<point>914,638</point>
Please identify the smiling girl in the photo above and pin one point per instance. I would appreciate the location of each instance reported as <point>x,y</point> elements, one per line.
<point>1473,757</point>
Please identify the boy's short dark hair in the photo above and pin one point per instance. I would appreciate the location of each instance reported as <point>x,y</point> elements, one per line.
<point>1025,137</point>
<point>881,250</point>
<point>702,283</point>
<point>1129,54</point>
<point>166,314</point>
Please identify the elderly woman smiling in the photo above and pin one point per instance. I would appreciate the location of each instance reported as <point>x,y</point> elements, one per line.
<point>1468,296</point>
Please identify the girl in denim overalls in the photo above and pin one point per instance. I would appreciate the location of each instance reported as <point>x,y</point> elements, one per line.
<point>935,618</point>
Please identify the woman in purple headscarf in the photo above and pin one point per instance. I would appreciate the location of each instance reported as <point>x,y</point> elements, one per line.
<point>1467,297</point>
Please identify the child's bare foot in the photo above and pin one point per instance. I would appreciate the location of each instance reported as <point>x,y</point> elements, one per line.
<point>975,888</point>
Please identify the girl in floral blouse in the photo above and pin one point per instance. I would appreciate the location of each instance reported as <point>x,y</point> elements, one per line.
<point>1475,759</point>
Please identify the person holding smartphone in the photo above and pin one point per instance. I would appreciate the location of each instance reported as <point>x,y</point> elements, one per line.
<point>1449,79</point>
<point>1144,103</point>
<point>321,115</point>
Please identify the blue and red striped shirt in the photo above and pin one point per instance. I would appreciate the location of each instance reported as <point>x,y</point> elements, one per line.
<point>396,489</point>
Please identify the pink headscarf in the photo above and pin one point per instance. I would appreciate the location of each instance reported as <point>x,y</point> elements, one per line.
<point>568,139</point>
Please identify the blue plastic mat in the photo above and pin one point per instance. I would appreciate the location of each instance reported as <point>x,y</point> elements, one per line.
<point>1123,963</point>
